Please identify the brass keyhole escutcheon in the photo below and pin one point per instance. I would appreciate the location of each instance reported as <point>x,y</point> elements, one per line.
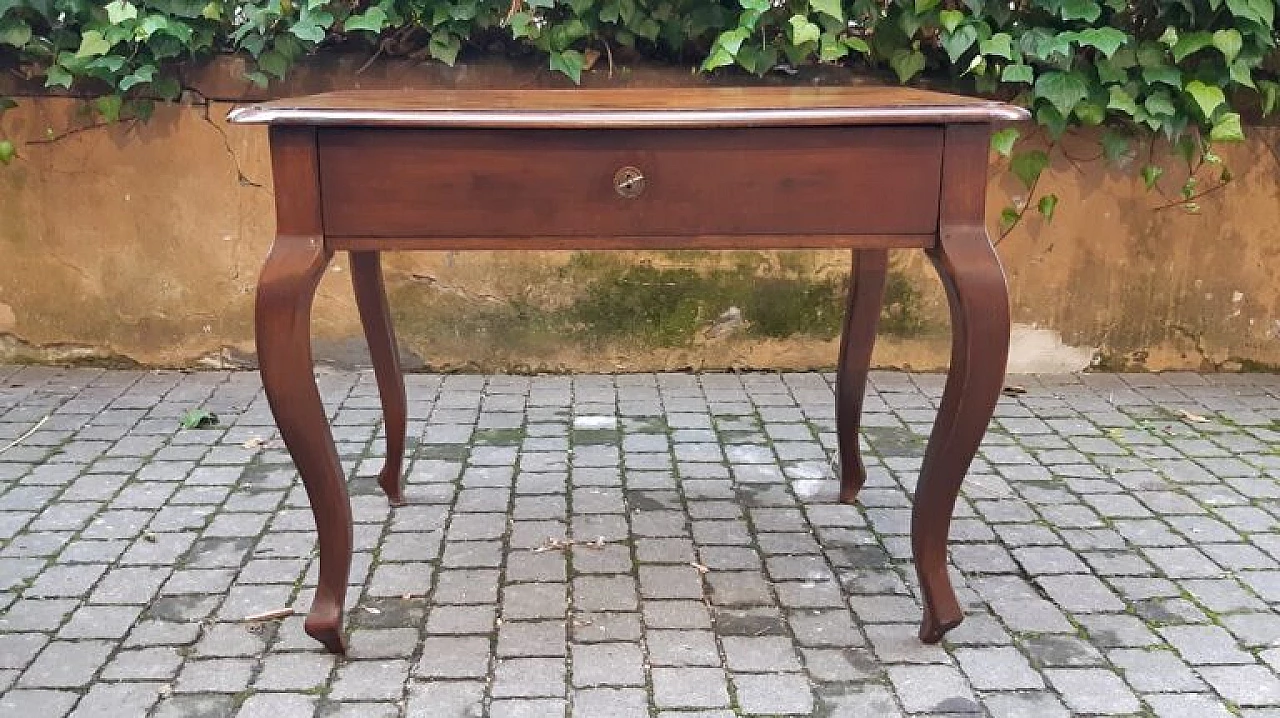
<point>629,182</point>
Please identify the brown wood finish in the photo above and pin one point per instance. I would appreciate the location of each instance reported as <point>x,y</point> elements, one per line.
<point>375,316</point>
<point>782,183</point>
<point>979,301</point>
<point>286,289</point>
<point>641,108</point>
<point>754,241</point>
<point>866,295</point>
<point>497,183</point>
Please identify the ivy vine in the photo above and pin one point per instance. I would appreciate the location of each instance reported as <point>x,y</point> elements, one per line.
<point>1180,70</point>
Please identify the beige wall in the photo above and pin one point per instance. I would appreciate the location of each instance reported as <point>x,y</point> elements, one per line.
<point>141,243</point>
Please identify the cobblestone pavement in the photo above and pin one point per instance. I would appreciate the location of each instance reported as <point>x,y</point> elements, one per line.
<point>639,545</point>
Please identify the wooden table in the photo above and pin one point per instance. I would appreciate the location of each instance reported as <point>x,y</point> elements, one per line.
<point>865,168</point>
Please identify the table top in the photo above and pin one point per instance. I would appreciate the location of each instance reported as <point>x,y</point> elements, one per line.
<point>630,108</point>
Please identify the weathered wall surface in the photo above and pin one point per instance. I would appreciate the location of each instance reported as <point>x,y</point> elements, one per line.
<point>142,244</point>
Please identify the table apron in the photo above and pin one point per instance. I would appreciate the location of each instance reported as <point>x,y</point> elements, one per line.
<point>780,187</point>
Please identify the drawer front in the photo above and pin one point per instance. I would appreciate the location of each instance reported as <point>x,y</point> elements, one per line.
<point>461,183</point>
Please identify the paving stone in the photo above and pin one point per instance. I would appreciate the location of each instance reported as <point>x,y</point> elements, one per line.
<point>1201,645</point>
<point>1187,705</point>
<point>608,664</point>
<point>1247,685</point>
<point>759,653</point>
<point>446,699</point>
<point>774,694</point>
<point>610,703</point>
<point>1153,671</point>
<point>220,675</point>
<point>1019,705</point>
<point>278,705</point>
<point>998,669</point>
<point>690,687</point>
<point>294,672</point>
<point>66,664</point>
<point>43,703</point>
<point>933,688</point>
<point>160,663</point>
<point>529,677</point>
<point>370,680</point>
<point>1092,690</point>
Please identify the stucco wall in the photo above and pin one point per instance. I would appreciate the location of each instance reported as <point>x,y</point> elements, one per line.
<point>141,243</point>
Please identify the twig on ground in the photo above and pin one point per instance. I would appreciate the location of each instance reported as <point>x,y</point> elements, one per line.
<point>25,436</point>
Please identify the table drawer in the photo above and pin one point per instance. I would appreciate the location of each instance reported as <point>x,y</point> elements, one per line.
<point>460,183</point>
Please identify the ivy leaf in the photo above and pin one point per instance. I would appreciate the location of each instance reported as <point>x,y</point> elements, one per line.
<point>1090,114</point>
<point>924,6</point>
<point>998,45</point>
<point>1207,97</point>
<point>958,42</point>
<point>14,31</point>
<point>907,64</point>
<point>444,46</point>
<point>1227,128</point>
<point>118,11</point>
<point>950,19</point>
<point>309,31</point>
<point>1166,74</point>
<point>273,63</point>
<point>1228,43</point>
<point>108,106</point>
<point>1002,141</point>
<point>1052,120</point>
<point>1062,89</point>
<point>570,63</point>
<point>830,8</point>
<point>92,44</point>
<point>1115,146</point>
<point>1242,74</point>
<point>1270,93</point>
<point>803,30</point>
<point>372,20</point>
<point>1087,10</point>
<point>57,76</point>
<point>858,44</point>
<point>1106,39</point>
<point>1190,43</point>
<point>7,152</point>
<point>1151,174</point>
<point>830,48</point>
<point>1027,166</point>
<point>1159,104</point>
<point>1018,73</point>
<point>142,74</point>
<point>1121,101</point>
<point>198,419</point>
<point>1047,205</point>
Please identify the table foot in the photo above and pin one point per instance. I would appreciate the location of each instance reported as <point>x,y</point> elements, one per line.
<point>935,625</point>
<point>324,623</point>
<point>866,295</point>
<point>375,317</point>
<point>283,327</point>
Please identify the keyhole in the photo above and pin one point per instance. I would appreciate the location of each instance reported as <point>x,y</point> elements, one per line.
<point>629,182</point>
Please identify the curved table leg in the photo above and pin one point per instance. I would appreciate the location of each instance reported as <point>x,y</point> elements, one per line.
<point>371,299</point>
<point>283,322</point>
<point>866,295</point>
<point>979,302</point>
<point>976,292</point>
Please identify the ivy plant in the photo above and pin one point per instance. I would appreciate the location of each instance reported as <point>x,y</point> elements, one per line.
<point>1177,70</point>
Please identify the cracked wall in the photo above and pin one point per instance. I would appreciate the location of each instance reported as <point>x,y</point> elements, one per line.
<point>141,244</point>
